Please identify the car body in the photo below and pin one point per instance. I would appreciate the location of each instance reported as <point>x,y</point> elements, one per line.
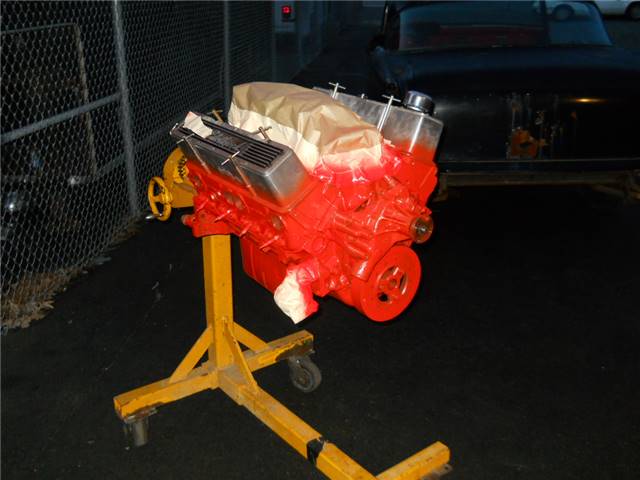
<point>525,96</point>
<point>619,7</point>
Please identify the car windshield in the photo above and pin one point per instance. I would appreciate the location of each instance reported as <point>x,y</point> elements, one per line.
<point>480,24</point>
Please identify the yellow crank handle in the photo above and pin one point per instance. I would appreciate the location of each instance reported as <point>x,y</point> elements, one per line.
<point>164,197</point>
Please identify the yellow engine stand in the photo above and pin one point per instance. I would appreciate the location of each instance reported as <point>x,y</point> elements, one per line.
<point>230,368</point>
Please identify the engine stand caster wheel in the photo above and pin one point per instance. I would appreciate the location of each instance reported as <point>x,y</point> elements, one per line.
<point>136,428</point>
<point>304,374</point>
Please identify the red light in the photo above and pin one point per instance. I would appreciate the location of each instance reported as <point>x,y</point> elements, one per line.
<point>287,13</point>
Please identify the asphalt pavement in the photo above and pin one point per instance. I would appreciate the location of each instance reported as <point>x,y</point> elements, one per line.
<point>521,351</point>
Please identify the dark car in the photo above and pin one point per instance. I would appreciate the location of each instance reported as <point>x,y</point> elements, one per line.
<point>529,92</point>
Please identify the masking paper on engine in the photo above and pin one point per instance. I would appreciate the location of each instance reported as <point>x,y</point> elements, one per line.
<point>331,141</point>
<point>294,295</point>
<point>194,122</point>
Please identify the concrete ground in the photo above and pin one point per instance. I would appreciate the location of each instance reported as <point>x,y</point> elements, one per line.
<point>521,352</point>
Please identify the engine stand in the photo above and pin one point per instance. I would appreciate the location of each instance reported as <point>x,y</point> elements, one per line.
<point>230,368</point>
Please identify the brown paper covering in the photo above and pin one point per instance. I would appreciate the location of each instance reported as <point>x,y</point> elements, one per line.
<point>322,121</point>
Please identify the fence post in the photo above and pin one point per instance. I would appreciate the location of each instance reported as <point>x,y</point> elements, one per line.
<point>227,55</point>
<point>274,65</point>
<point>129,152</point>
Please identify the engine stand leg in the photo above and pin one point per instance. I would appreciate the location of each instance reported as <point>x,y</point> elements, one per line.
<point>230,368</point>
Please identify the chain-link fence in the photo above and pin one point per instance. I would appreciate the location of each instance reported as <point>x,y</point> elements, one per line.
<point>90,91</point>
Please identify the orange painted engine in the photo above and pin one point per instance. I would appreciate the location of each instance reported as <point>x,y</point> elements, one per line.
<point>305,233</point>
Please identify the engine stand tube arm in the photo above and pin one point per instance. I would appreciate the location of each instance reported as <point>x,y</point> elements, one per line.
<point>193,357</point>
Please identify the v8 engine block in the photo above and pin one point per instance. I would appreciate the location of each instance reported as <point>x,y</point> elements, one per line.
<point>302,232</point>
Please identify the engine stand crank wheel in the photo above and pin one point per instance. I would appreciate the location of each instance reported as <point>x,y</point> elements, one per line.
<point>391,287</point>
<point>304,374</point>
<point>163,197</point>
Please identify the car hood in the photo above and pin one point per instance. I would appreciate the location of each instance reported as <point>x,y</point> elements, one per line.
<point>548,69</point>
